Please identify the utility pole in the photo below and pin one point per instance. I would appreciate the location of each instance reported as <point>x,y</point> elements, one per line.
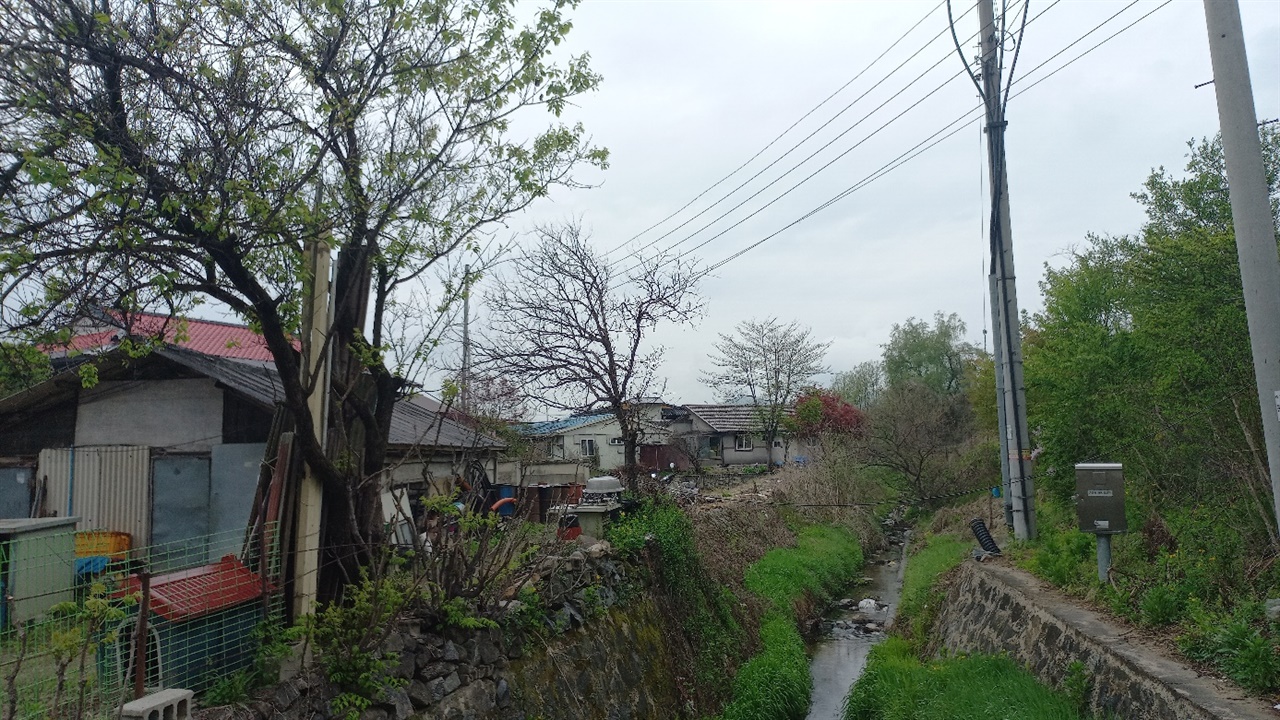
<point>997,347</point>
<point>465,389</point>
<point>315,330</point>
<point>1005,302</point>
<point>1251,216</point>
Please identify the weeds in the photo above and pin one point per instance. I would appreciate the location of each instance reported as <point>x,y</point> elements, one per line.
<point>898,686</point>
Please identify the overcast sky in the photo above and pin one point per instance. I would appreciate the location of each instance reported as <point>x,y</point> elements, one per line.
<point>693,89</point>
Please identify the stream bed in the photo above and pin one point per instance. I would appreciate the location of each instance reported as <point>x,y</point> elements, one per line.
<point>852,628</point>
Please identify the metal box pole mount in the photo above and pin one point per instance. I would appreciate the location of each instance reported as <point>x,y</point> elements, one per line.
<point>1100,506</point>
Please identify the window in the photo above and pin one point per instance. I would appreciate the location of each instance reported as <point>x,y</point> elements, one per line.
<point>615,441</point>
<point>588,447</point>
<point>777,443</point>
<point>742,442</point>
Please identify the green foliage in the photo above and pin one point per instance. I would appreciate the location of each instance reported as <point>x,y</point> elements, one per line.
<point>931,558</point>
<point>1141,355</point>
<point>822,562</point>
<point>21,366</point>
<point>457,613</point>
<point>775,684</point>
<point>1237,643</point>
<point>936,355</point>
<point>346,635</point>
<point>897,686</point>
<point>705,609</point>
<point>1077,685</point>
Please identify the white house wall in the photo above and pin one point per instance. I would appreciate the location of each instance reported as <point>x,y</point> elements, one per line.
<point>183,415</point>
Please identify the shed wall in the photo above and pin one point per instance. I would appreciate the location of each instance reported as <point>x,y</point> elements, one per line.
<point>183,415</point>
<point>107,487</point>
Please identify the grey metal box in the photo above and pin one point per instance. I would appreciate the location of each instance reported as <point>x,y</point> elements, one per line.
<point>1100,497</point>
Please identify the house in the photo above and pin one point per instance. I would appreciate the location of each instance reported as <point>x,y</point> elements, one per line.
<point>723,434</point>
<point>168,447</point>
<point>594,440</point>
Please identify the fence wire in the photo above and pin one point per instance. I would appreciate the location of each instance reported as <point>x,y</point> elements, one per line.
<point>88,622</point>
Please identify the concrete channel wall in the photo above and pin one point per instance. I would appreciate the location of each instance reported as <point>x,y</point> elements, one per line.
<point>993,608</point>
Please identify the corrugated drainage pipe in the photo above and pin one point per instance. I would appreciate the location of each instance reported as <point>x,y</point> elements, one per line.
<point>979,529</point>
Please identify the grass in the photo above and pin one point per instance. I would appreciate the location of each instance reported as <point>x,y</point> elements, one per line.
<point>775,684</point>
<point>921,596</point>
<point>897,686</point>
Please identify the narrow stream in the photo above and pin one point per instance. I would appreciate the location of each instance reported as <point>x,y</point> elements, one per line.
<point>851,629</point>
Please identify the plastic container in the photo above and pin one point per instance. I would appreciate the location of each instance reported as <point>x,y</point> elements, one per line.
<point>102,543</point>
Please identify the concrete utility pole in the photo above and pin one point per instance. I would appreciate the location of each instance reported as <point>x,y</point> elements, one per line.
<point>1251,215</point>
<point>465,381</point>
<point>1005,304</point>
<point>997,348</point>
<point>315,330</point>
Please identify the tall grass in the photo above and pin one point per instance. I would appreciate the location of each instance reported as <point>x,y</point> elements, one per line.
<point>897,686</point>
<point>775,684</point>
<point>921,596</point>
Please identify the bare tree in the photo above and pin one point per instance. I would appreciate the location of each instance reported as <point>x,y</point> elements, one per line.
<point>156,154</point>
<point>572,332</point>
<point>769,364</point>
<point>921,435</point>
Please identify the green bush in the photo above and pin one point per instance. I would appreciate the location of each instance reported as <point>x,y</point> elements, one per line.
<point>1163,605</point>
<point>897,686</point>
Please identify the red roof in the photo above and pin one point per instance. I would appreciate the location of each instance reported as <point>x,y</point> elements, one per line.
<point>209,337</point>
<point>199,591</point>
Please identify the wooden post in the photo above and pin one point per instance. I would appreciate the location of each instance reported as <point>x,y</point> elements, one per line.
<point>140,638</point>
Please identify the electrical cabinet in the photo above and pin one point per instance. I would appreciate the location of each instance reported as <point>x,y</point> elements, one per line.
<point>1100,498</point>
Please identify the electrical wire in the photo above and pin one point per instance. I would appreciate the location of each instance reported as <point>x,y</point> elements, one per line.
<point>781,135</point>
<point>912,153</point>
<point>668,260</point>
<point>726,196</point>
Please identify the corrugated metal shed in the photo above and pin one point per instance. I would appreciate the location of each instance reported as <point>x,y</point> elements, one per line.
<point>107,487</point>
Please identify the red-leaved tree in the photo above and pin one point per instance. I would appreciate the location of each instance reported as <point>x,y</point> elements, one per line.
<point>821,413</point>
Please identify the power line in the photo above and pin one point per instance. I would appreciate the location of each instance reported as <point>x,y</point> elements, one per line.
<point>795,167</point>
<point>781,135</point>
<point>909,154</point>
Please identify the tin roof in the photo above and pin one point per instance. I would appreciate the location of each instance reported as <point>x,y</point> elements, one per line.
<point>559,427</point>
<point>220,339</point>
<point>188,594</point>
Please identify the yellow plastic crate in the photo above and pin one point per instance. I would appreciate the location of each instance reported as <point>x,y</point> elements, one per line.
<point>102,542</point>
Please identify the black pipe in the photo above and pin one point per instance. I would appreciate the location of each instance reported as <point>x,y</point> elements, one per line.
<point>979,529</point>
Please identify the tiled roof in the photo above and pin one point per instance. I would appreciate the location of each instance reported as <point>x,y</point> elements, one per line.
<point>210,337</point>
<point>728,418</point>
<point>558,427</point>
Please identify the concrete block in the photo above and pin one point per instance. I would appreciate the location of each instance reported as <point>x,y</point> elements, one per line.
<point>163,705</point>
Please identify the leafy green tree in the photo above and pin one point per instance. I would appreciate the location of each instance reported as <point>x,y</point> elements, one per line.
<point>935,355</point>
<point>1141,354</point>
<point>21,366</point>
<point>157,154</point>
<point>862,385</point>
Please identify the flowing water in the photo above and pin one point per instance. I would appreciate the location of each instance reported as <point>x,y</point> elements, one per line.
<point>851,629</point>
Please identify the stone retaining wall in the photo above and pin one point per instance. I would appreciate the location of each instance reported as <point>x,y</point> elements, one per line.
<point>992,608</point>
<point>598,659</point>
